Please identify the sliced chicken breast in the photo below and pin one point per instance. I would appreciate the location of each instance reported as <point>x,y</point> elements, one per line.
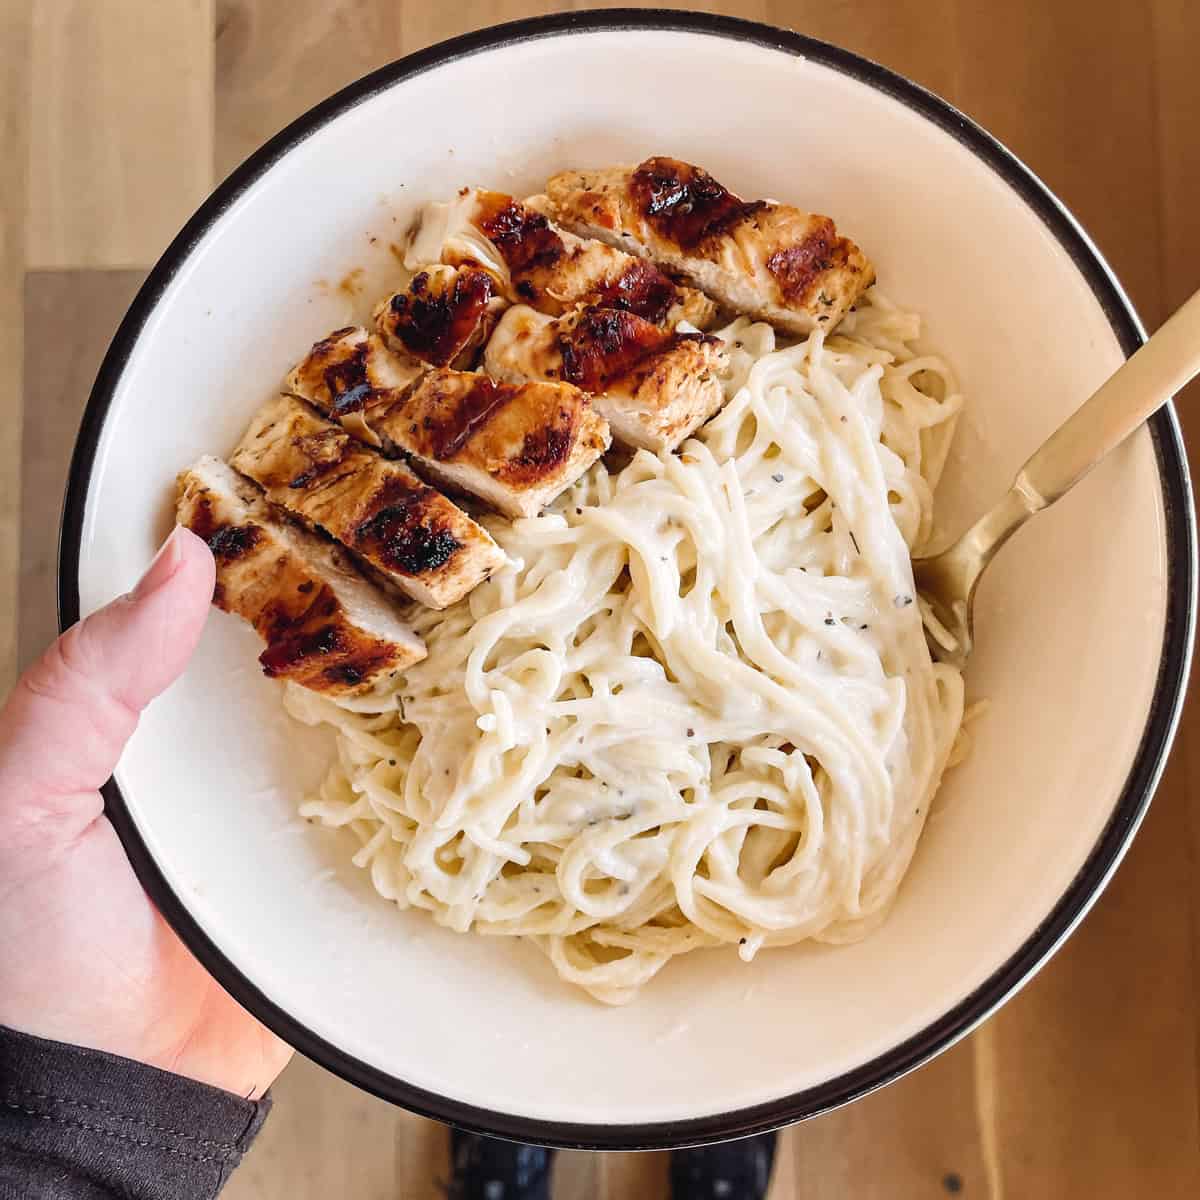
<point>551,270</point>
<point>653,387</point>
<point>325,626</point>
<point>349,375</point>
<point>770,260</point>
<point>408,533</point>
<point>443,317</point>
<point>514,446</point>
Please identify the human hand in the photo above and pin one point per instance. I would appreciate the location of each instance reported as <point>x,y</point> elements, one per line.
<point>84,956</point>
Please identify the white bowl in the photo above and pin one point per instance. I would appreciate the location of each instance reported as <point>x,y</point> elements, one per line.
<point>1085,623</point>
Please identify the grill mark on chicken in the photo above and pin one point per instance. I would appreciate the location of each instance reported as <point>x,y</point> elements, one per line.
<point>350,373</point>
<point>545,448</point>
<point>523,237</point>
<point>475,408</point>
<point>608,343</point>
<point>435,325</point>
<point>345,374</point>
<point>685,204</point>
<point>319,636</point>
<point>233,541</point>
<point>395,534</point>
<point>641,289</point>
<point>797,268</point>
<point>282,656</point>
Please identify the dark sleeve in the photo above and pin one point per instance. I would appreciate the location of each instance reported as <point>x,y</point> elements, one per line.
<point>78,1123</point>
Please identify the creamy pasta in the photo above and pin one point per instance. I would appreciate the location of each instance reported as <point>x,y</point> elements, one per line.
<point>696,708</point>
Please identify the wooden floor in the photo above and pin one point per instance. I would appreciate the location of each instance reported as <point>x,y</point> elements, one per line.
<point>116,117</point>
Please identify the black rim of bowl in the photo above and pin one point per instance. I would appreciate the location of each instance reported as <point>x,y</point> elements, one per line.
<point>1139,786</point>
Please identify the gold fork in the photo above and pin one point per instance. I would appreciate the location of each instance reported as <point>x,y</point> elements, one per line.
<point>1152,375</point>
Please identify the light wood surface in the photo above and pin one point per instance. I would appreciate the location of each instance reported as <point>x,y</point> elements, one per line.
<point>90,304</point>
<point>1086,1084</point>
<point>122,126</point>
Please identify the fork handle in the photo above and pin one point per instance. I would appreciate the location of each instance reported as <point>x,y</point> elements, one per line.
<point>1150,377</point>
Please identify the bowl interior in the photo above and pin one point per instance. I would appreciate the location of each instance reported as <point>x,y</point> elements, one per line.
<point>214,773</point>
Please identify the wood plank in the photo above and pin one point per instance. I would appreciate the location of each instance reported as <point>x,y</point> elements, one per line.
<point>785,1178</point>
<point>1095,1062</point>
<point>576,1175</point>
<point>15,23</point>
<point>326,1138</point>
<point>909,1140</point>
<point>59,376</point>
<point>121,128</point>
<point>625,1176</point>
<point>422,1158</point>
<point>1042,81</point>
<point>273,60</point>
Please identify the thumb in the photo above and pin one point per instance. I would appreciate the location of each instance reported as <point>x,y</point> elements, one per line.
<point>71,713</point>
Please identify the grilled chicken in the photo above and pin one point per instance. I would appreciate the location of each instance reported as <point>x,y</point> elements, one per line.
<point>408,533</point>
<point>653,387</point>
<point>443,317</point>
<point>547,268</point>
<point>349,375</point>
<point>514,447</point>
<point>770,260</point>
<point>325,626</point>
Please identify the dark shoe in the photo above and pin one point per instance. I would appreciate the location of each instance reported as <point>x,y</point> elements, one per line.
<point>487,1169</point>
<point>738,1170</point>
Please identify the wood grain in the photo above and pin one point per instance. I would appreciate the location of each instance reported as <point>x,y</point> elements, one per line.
<point>90,304</point>
<point>327,1139</point>
<point>903,1141</point>
<point>122,120</point>
<point>15,22</point>
<point>624,1176</point>
<point>1085,1085</point>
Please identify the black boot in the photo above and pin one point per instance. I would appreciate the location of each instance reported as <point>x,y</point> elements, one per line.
<point>738,1170</point>
<point>485,1168</point>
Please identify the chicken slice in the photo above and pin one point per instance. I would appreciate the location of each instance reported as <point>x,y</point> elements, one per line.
<point>350,374</point>
<point>410,534</point>
<point>325,626</point>
<point>535,263</point>
<point>515,447</point>
<point>770,260</point>
<point>653,387</point>
<point>443,317</point>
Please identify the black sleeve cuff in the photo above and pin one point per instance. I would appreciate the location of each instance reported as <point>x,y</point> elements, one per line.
<point>78,1122</point>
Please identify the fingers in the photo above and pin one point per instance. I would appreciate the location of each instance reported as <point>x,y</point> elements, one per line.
<point>70,715</point>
